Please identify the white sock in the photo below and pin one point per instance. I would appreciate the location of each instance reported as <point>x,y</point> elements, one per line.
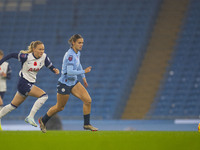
<point>37,105</point>
<point>6,109</point>
<point>0,110</point>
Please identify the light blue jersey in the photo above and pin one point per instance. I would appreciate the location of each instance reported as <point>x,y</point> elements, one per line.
<point>71,67</point>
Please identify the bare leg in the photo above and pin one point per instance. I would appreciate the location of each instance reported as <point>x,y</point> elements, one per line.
<point>1,101</point>
<point>80,92</point>
<point>17,100</point>
<point>61,102</point>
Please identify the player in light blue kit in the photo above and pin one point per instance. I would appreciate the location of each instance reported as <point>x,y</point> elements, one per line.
<point>32,61</point>
<point>68,83</point>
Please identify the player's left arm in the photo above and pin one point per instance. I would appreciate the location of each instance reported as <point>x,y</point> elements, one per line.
<point>83,76</point>
<point>49,65</point>
<point>81,68</point>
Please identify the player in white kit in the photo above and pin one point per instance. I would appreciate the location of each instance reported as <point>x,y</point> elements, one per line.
<point>5,73</point>
<point>32,61</point>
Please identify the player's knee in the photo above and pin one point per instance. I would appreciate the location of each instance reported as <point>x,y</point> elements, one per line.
<point>88,101</point>
<point>60,109</point>
<point>43,98</point>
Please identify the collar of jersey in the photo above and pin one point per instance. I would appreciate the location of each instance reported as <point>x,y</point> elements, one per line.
<point>34,56</point>
<point>74,51</point>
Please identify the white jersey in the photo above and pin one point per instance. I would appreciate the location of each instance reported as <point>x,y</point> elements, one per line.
<point>3,68</point>
<point>30,66</point>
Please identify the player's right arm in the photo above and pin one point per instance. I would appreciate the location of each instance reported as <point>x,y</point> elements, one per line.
<point>12,55</point>
<point>20,56</point>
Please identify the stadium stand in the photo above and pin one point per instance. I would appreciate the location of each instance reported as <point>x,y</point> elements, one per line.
<point>116,34</point>
<point>178,96</point>
<point>157,56</point>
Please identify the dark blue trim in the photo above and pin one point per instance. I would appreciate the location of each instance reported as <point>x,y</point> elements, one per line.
<point>8,72</point>
<point>13,105</point>
<point>51,68</point>
<point>48,63</point>
<point>34,56</point>
<point>43,95</point>
<point>11,55</point>
<point>2,95</point>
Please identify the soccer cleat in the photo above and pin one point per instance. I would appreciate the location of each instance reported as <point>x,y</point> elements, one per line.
<point>31,121</point>
<point>42,126</point>
<point>199,127</point>
<point>90,127</point>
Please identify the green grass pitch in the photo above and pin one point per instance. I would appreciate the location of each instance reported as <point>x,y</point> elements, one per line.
<point>100,140</point>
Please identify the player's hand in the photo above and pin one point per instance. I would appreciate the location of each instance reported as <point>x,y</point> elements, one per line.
<point>56,70</point>
<point>88,69</point>
<point>3,74</point>
<point>85,82</point>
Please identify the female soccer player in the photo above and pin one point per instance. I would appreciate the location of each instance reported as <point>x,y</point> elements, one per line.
<point>68,83</point>
<point>5,73</point>
<point>32,61</point>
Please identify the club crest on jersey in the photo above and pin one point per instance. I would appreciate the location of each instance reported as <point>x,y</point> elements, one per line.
<point>23,55</point>
<point>70,58</point>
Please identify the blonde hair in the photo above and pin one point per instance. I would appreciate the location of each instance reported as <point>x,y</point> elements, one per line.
<point>74,38</point>
<point>33,44</point>
<point>1,53</point>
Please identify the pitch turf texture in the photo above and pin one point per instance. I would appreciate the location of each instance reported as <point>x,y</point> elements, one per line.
<point>101,140</point>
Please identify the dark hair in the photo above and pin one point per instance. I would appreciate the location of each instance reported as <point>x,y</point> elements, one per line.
<point>74,38</point>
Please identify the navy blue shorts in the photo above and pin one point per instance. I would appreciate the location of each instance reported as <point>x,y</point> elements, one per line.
<point>24,86</point>
<point>2,94</point>
<point>64,89</point>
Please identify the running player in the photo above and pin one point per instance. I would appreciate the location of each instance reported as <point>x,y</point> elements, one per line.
<point>5,73</point>
<point>32,61</point>
<point>68,83</point>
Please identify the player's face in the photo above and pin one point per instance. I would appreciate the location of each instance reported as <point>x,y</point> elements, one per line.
<point>1,56</point>
<point>78,44</point>
<point>38,51</point>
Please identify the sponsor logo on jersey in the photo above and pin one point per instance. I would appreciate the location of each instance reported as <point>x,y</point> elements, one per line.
<point>34,69</point>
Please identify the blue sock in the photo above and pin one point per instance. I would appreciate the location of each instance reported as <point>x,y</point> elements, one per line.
<point>86,119</point>
<point>45,118</point>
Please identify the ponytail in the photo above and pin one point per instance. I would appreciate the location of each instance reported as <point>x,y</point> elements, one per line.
<point>33,44</point>
<point>74,38</point>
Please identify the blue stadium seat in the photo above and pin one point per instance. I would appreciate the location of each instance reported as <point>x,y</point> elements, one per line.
<point>180,88</point>
<point>115,32</point>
